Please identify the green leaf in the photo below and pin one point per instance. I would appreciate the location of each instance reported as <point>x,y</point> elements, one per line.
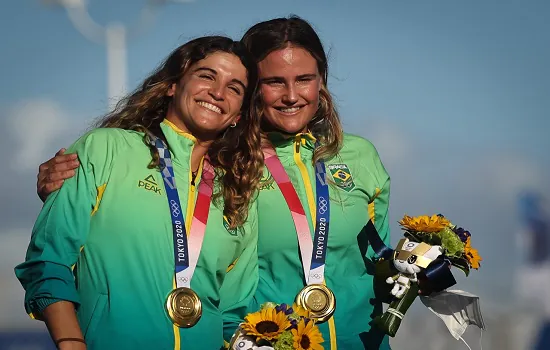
<point>460,263</point>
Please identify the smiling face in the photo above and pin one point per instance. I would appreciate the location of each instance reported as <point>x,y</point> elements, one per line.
<point>209,96</point>
<point>289,83</point>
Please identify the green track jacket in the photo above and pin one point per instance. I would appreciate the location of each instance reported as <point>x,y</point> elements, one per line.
<point>104,242</point>
<point>360,192</point>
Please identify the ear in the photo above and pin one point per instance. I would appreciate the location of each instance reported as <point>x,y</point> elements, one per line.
<point>172,91</point>
<point>237,118</point>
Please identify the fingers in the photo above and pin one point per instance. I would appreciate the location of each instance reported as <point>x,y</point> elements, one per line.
<point>52,173</point>
<point>65,160</point>
<point>59,175</point>
<point>60,167</point>
<point>69,165</point>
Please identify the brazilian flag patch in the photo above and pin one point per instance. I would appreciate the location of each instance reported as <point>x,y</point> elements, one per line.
<point>341,175</point>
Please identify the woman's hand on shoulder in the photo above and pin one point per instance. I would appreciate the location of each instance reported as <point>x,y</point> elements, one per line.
<point>53,172</point>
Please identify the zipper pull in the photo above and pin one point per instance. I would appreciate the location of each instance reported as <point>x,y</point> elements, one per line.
<point>297,143</point>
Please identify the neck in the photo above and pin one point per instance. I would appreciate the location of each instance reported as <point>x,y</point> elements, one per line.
<point>267,127</point>
<point>200,149</point>
<point>201,146</point>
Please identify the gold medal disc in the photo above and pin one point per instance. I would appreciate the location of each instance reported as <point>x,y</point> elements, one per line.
<point>184,307</point>
<point>319,300</point>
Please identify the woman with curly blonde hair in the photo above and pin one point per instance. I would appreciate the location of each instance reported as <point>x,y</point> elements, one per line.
<point>130,253</point>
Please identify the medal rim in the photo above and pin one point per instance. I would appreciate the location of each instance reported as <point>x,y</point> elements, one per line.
<point>328,310</point>
<point>175,316</point>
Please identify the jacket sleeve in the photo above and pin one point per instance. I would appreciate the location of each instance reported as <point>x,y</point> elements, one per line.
<point>380,207</point>
<point>61,231</point>
<point>241,281</point>
<point>379,201</point>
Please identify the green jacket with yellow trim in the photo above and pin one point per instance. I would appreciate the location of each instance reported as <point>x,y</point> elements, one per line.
<point>360,192</point>
<point>104,242</point>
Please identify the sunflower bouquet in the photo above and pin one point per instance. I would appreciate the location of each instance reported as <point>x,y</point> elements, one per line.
<point>277,327</point>
<point>422,261</point>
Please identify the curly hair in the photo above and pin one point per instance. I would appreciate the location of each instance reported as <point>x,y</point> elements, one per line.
<point>236,155</point>
<point>279,33</point>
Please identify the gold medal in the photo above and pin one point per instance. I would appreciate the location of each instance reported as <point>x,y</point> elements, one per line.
<point>184,307</point>
<point>319,300</point>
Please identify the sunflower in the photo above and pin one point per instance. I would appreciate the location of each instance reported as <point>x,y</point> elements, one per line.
<point>472,255</point>
<point>300,311</point>
<point>307,336</point>
<point>265,324</point>
<point>424,223</point>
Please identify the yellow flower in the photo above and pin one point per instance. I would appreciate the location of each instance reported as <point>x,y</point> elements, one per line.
<point>266,324</point>
<point>300,311</point>
<point>424,223</point>
<point>307,336</point>
<point>472,255</point>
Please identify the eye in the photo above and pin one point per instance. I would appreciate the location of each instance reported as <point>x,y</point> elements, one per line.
<point>273,82</point>
<point>305,80</point>
<point>235,89</point>
<point>206,76</point>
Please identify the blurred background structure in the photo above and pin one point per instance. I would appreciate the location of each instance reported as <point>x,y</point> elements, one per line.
<point>455,96</point>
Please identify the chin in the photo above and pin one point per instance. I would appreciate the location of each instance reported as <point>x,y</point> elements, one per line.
<point>287,126</point>
<point>292,128</point>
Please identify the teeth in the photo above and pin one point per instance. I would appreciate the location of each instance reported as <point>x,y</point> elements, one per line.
<point>290,110</point>
<point>210,107</point>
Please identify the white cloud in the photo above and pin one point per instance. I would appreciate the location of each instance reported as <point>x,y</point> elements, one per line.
<point>393,143</point>
<point>34,125</point>
<point>496,174</point>
<point>511,174</point>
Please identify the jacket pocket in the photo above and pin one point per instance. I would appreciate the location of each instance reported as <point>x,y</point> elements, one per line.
<point>89,328</point>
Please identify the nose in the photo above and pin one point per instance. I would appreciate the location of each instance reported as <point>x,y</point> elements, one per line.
<point>291,96</point>
<point>216,91</point>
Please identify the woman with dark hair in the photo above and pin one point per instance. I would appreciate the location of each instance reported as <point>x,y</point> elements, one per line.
<point>316,174</point>
<point>116,260</point>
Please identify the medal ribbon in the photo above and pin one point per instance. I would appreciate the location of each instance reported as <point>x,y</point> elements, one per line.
<point>313,252</point>
<point>186,249</point>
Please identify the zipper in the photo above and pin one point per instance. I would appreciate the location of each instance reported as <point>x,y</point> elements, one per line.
<point>188,220</point>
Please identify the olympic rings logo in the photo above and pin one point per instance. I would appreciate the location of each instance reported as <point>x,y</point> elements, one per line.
<point>183,279</point>
<point>315,275</point>
<point>175,208</point>
<point>323,205</point>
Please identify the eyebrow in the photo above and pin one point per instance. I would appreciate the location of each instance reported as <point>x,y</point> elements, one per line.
<point>234,80</point>
<point>299,77</point>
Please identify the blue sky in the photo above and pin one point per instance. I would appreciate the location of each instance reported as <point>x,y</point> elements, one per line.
<point>454,94</point>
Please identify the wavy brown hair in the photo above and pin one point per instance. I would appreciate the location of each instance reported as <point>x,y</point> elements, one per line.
<point>236,154</point>
<point>266,37</point>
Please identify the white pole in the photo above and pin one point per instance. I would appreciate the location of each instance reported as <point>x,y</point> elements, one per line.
<point>115,35</point>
